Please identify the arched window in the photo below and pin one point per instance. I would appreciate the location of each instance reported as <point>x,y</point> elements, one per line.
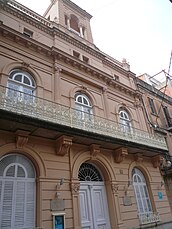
<point>125,120</point>
<point>83,106</point>
<point>21,81</point>
<point>17,193</point>
<point>141,192</point>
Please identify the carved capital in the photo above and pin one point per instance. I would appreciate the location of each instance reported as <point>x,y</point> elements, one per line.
<point>120,154</point>
<point>57,69</point>
<point>157,161</point>
<point>115,188</point>
<point>63,145</point>
<point>138,157</point>
<point>21,138</point>
<point>94,150</point>
<point>75,188</point>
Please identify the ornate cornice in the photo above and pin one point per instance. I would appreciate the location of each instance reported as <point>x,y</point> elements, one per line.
<point>53,29</point>
<point>77,8</point>
<point>70,60</point>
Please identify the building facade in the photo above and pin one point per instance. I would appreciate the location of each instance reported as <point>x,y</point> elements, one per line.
<point>158,107</point>
<point>75,148</point>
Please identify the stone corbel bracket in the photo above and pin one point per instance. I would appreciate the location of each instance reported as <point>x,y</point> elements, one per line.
<point>21,138</point>
<point>120,154</point>
<point>94,150</point>
<point>63,145</point>
<point>138,157</point>
<point>157,161</point>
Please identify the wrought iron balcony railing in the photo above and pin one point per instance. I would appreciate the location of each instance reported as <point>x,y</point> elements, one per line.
<point>38,108</point>
<point>146,218</point>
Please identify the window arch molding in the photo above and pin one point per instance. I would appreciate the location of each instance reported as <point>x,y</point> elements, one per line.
<point>124,107</point>
<point>24,67</point>
<point>125,120</point>
<point>31,154</point>
<point>100,162</point>
<point>142,168</point>
<point>84,91</point>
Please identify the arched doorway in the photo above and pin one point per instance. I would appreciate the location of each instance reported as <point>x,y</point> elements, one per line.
<point>93,199</point>
<point>17,192</point>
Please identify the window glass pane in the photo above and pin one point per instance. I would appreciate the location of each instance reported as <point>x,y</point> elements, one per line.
<point>11,171</point>
<point>18,78</point>
<point>79,99</point>
<point>20,172</point>
<point>26,80</point>
<point>85,101</point>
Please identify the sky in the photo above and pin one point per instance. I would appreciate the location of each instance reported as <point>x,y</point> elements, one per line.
<point>138,30</point>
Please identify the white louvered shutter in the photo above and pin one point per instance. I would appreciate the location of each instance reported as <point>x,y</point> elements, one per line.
<point>17,193</point>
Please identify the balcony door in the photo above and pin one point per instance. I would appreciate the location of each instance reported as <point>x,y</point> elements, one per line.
<point>93,199</point>
<point>21,84</point>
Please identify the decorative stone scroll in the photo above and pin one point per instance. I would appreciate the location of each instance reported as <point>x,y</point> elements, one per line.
<point>94,150</point>
<point>120,154</point>
<point>63,145</point>
<point>157,161</point>
<point>21,138</point>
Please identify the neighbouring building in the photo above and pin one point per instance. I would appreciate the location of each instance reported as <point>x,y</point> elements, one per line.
<point>75,148</point>
<point>158,109</point>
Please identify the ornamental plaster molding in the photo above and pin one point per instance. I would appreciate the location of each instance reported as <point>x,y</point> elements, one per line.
<point>75,187</point>
<point>115,188</point>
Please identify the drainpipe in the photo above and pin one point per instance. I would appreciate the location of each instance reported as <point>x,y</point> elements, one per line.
<point>149,121</point>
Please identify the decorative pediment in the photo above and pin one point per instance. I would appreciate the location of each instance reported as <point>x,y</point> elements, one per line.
<point>21,138</point>
<point>63,145</point>
<point>119,154</point>
<point>157,161</point>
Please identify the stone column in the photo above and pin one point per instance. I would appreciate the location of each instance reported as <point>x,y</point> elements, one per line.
<point>81,31</point>
<point>57,86</point>
<point>75,186</point>
<point>68,22</point>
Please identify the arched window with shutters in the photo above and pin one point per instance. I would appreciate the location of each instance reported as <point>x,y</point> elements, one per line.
<point>141,192</point>
<point>21,81</point>
<point>125,120</point>
<point>17,192</point>
<point>83,106</point>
